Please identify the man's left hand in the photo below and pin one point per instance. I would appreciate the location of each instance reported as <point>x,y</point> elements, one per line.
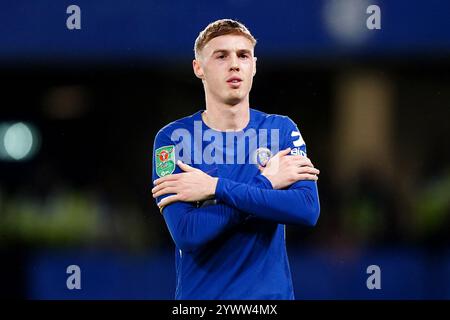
<point>188,186</point>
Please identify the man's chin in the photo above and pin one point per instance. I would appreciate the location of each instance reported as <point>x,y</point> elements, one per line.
<point>234,99</point>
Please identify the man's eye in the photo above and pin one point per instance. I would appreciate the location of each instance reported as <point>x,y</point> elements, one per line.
<point>245,56</point>
<point>221,57</point>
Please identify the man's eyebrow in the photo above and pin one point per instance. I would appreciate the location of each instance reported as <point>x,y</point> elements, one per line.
<point>220,51</point>
<point>244,51</point>
<point>226,51</point>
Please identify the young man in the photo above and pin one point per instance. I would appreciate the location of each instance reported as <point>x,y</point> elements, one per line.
<point>223,188</point>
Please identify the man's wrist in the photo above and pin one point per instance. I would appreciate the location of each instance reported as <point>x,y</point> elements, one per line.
<point>266,181</point>
<point>212,191</point>
<point>268,178</point>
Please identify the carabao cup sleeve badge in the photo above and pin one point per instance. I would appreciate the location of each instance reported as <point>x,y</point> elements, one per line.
<point>165,160</point>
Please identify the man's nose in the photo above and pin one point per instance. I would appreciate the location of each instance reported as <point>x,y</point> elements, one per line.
<point>234,63</point>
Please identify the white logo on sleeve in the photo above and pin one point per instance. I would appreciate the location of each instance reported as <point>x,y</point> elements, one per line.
<point>297,152</point>
<point>299,142</point>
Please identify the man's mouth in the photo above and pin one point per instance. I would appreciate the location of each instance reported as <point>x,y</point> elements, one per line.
<point>234,80</point>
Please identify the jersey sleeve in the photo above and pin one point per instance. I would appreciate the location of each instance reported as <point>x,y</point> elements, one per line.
<point>191,226</point>
<point>299,204</point>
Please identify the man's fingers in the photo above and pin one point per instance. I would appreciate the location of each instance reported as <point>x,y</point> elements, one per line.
<point>185,167</point>
<point>163,185</point>
<point>168,200</point>
<point>276,158</point>
<point>308,162</point>
<point>284,152</point>
<point>305,169</point>
<point>170,177</point>
<point>307,176</point>
<point>164,191</point>
<point>302,161</point>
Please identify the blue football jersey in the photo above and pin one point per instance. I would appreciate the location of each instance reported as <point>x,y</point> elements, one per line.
<point>233,246</point>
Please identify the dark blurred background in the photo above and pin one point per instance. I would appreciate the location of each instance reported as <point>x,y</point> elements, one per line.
<point>79,110</point>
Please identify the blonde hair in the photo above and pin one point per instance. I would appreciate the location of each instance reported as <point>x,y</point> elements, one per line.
<point>220,28</point>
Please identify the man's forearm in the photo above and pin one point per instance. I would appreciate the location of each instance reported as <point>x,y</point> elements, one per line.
<point>297,205</point>
<point>192,227</point>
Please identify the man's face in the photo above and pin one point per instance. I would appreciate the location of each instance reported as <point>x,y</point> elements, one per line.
<point>226,66</point>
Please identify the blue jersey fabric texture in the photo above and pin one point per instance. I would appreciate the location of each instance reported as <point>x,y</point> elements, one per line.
<point>234,246</point>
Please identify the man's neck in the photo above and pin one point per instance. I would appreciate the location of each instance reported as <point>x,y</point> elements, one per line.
<point>223,117</point>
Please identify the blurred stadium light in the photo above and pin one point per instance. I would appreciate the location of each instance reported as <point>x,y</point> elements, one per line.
<point>18,141</point>
<point>346,20</point>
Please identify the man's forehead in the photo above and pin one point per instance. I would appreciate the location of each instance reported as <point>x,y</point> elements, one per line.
<point>229,42</point>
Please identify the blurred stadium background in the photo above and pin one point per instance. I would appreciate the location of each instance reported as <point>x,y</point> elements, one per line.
<point>79,110</point>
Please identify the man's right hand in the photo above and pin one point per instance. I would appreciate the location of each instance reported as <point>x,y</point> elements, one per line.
<point>284,169</point>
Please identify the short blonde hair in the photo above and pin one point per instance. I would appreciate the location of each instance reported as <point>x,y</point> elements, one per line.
<point>220,28</point>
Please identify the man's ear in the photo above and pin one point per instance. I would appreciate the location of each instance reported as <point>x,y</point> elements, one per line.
<point>198,71</point>
<point>254,66</point>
